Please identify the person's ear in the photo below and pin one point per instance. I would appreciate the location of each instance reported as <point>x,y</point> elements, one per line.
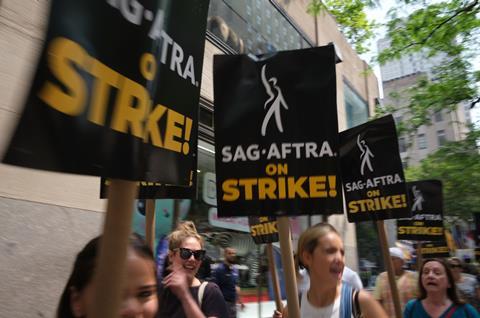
<point>306,259</point>
<point>77,303</point>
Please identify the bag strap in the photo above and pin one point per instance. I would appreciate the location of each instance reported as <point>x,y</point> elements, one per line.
<point>451,311</point>
<point>201,290</point>
<point>346,301</point>
<point>357,311</point>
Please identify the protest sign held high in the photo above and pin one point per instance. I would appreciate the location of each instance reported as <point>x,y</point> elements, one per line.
<point>437,249</point>
<point>116,91</point>
<point>426,202</point>
<point>263,229</point>
<point>372,172</point>
<point>115,94</point>
<point>276,137</point>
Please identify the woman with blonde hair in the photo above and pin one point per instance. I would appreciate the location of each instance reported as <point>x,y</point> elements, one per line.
<point>182,295</point>
<point>321,251</point>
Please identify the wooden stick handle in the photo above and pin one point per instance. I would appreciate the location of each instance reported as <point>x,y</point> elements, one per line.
<point>419,255</point>
<point>288,267</point>
<point>391,274</point>
<point>273,273</point>
<point>150,223</point>
<point>109,276</point>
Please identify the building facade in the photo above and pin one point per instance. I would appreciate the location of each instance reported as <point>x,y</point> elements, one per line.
<point>47,217</point>
<point>399,75</point>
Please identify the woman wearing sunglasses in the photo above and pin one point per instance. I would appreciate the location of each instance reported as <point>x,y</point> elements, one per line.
<point>182,295</point>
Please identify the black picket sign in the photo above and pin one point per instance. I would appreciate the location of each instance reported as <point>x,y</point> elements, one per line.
<point>116,91</point>
<point>263,229</point>
<point>276,139</point>
<point>372,172</point>
<point>426,202</point>
<point>438,249</point>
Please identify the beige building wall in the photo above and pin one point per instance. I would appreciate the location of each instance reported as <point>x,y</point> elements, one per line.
<point>353,68</point>
<point>453,124</point>
<point>45,217</point>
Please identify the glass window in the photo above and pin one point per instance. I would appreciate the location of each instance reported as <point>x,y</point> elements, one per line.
<point>253,27</point>
<point>438,117</point>
<point>441,137</point>
<point>422,141</point>
<point>355,106</point>
<point>205,117</point>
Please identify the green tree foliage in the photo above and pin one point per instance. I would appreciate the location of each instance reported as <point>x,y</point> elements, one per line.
<point>351,18</point>
<point>449,28</point>
<point>457,165</point>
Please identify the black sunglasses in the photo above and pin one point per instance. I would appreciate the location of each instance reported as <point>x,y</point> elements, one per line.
<point>186,253</point>
<point>455,266</point>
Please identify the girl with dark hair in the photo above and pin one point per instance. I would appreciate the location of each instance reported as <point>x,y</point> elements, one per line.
<point>438,294</point>
<point>140,291</point>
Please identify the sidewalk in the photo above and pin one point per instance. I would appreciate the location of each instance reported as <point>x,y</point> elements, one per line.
<point>251,310</point>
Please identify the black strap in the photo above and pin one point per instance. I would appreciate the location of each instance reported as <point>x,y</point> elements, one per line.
<point>357,311</point>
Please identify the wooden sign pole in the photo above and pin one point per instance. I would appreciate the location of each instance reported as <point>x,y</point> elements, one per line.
<point>419,255</point>
<point>273,272</point>
<point>388,263</point>
<point>288,267</point>
<point>108,280</point>
<point>150,223</point>
<point>176,214</point>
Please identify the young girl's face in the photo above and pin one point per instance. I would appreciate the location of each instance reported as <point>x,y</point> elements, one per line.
<point>327,261</point>
<point>139,294</point>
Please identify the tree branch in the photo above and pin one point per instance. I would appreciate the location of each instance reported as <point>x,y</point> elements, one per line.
<point>468,8</point>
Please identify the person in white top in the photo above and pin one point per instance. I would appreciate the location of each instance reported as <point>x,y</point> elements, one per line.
<point>349,275</point>
<point>321,251</point>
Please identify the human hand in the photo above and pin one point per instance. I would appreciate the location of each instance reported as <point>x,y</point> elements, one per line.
<point>277,314</point>
<point>176,281</point>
